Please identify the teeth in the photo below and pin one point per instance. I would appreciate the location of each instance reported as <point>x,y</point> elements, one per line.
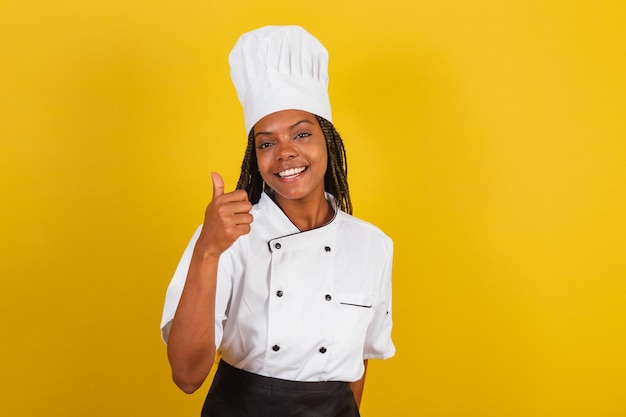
<point>291,172</point>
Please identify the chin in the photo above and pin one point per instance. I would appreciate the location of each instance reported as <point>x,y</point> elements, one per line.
<point>290,195</point>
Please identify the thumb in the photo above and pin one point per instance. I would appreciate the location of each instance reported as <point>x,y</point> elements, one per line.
<point>218,184</point>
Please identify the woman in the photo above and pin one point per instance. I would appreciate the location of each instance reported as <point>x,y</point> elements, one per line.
<point>293,291</point>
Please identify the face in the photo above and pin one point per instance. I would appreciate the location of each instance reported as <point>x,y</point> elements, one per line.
<point>291,154</point>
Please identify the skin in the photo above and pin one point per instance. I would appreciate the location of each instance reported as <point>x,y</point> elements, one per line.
<point>284,141</point>
<point>191,342</point>
<point>293,139</point>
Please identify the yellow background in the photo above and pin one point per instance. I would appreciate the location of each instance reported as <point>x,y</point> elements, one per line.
<point>487,138</point>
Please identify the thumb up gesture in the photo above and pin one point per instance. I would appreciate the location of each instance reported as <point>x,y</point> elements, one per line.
<point>226,218</point>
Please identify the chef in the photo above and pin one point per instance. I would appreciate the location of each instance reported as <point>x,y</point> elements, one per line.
<point>281,280</point>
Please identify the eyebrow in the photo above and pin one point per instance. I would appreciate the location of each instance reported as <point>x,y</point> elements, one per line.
<point>290,127</point>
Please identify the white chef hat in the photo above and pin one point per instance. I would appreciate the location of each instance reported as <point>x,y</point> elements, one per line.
<point>280,68</point>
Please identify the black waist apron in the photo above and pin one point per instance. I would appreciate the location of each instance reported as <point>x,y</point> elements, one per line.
<point>238,393</point>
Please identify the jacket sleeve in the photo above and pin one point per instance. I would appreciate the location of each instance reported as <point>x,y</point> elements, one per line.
<point>175,290</point>
<point>378,343</point>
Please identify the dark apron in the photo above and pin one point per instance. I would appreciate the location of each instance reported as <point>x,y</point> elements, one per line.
<point>238,393</point>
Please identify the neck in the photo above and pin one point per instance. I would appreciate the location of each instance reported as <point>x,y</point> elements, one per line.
<point>308,213</point>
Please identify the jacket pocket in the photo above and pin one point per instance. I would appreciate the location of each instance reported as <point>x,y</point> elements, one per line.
<point>356,300</point>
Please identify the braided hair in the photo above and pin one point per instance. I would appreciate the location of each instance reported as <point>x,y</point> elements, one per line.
<point>335,179</point>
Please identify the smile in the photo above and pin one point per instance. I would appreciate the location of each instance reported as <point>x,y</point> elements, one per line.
<point>289,173</point>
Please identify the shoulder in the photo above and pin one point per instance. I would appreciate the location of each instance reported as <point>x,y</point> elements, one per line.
<point>360,225</point>
<point>361,230</point>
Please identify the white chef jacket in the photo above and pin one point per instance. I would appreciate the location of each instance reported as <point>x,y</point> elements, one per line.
<point>302,306</point>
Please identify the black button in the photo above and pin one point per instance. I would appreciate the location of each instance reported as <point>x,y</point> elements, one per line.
<point>322,350</point>
<point>328,297</point>
<point>327,248</point>
<point>277,245</point>
<point>275,348</point>
<point>279,293</point>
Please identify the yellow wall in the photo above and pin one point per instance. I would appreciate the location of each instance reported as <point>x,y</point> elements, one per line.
<point>487,138</point>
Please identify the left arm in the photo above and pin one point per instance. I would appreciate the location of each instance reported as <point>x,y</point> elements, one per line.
<point>357,386</point>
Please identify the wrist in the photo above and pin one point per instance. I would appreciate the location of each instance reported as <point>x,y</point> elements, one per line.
<point>207,250</point>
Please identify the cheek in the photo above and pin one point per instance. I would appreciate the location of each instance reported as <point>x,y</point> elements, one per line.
<point>324,165</point>
<point>261,161</point>
<point>263,166</point>
<point>323,159</point>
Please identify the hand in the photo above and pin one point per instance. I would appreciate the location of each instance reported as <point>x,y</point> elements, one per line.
<point>227,217</point>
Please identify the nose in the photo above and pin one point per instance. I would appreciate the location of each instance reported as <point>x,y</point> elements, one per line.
<point>286,150</point>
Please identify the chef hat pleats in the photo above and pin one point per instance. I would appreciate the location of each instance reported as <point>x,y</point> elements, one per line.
<point>280,68</point>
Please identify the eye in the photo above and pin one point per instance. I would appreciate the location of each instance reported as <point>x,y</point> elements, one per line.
<point>263,145</point>
<point>303,135</point>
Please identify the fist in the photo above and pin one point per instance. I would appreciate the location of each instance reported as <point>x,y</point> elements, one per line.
<point>227,217</point>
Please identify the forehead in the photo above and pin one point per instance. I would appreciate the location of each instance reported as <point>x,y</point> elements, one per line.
<point>284,120</point>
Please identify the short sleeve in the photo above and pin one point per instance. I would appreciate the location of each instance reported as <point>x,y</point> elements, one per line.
<point>378,343</point>
<point>175,288</point>
<point>177,284</point>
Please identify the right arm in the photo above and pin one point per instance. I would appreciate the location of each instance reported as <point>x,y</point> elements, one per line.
<point>191,341</point>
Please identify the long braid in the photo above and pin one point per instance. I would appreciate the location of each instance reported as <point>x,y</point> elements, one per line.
<point>335,179</point>
<point>250,177</point>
